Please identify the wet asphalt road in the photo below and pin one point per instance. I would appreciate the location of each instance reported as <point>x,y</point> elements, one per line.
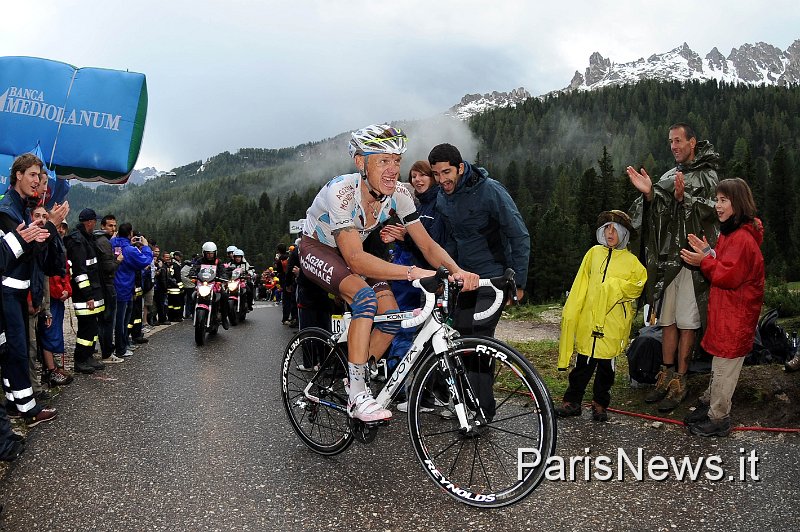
<point>188,438</point>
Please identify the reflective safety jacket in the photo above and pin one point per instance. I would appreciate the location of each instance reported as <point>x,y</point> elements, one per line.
<point>11,249</point>
<point>85,279</point>
<point>17,277</point>
<point>597,317</point>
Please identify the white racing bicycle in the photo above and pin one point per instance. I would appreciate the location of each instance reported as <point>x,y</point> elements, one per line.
<point>474,402</point>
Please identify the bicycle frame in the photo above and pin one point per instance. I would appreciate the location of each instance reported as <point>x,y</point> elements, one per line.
<point>434,333</point>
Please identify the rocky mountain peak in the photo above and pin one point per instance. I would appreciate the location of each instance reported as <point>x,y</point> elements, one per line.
<point>472,104</point>
<point>751,64</point>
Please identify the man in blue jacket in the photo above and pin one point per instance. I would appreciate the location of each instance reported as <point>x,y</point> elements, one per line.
<point>485,234</point>
<point>136,255</point>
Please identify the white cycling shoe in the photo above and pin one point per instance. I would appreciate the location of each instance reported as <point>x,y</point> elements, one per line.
<point>367,409</point>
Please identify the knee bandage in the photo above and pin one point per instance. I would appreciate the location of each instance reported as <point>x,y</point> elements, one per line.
<point>389,327</point>
<point>364,304</point>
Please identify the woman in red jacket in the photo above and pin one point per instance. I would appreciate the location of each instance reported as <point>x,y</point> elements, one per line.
<point>735,269</point>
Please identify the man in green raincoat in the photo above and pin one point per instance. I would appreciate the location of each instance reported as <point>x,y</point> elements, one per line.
<point>679,203</point>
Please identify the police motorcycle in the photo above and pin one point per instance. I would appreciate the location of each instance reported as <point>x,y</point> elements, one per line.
<point>207,297</point>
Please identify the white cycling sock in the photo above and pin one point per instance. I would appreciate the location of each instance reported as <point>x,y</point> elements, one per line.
<point>358,379</point>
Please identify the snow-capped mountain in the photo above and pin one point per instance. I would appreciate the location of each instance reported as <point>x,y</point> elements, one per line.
<point>751,64</point>
<point>473,104</point>
<point>140,175</point>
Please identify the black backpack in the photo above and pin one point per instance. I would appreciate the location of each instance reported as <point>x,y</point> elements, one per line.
<point>772,344</point>
<point>644,355</point>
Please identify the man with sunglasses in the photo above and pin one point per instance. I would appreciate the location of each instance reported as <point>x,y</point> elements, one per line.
<point>343,214</point>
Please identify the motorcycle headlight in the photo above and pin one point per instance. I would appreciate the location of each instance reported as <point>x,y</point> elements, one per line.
<point>204,290</point>
<point>233,286</point>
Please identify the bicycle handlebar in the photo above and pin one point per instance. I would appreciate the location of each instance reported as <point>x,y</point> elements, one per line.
<point>499,292</point>
<point>429,285</point>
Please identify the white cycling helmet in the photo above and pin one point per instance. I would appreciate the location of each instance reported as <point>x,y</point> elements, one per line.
<point>209,247</point>
<point>230,248</point>
<point>378,138</point>
<point>238,253</point>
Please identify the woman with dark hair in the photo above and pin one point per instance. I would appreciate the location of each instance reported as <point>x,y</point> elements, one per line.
<point>735,269</point>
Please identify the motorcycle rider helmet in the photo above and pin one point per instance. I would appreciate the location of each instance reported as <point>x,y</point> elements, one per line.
<point>208,249</point>
<point>238,253</point>
<point>230,249</point>
<point>378,138</point>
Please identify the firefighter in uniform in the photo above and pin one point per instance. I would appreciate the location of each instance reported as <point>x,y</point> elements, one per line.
<point>136,325</point>
<point>12,246</point>
<point>174,289</point>
<point>87,290</point>
<point>15,210</point>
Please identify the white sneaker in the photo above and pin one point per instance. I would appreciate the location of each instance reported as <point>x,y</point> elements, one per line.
<point>301,367</point>
<point>367,409</point>
<point>127,353</point>
<point>113,359</point>
<point>403,407</point>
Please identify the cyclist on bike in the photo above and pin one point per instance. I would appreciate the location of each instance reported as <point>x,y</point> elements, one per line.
<point>344,212</point>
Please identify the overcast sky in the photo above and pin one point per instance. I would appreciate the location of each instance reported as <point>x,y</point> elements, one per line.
<point>228,74</point>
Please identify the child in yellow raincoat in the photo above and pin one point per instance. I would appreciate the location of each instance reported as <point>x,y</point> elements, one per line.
<point>597,317</point>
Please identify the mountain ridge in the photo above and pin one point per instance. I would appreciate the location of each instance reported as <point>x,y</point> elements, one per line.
<point>750,64</point>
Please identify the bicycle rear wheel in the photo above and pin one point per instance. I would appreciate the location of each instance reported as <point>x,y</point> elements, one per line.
<point>479,467</point>
<point>313,391</point>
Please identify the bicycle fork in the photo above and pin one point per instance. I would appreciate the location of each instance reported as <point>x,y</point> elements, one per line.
<point>459,387</point>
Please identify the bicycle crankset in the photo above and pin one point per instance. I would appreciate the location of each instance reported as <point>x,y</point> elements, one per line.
<point>366,432</point>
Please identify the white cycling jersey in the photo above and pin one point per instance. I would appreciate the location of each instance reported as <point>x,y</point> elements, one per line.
<point>337,206</point>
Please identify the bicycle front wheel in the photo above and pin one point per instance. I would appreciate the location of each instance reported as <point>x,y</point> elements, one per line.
<point>313,391</point>
<point>479,467</point>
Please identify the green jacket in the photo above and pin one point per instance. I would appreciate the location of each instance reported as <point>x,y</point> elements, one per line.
<point>663,224</point>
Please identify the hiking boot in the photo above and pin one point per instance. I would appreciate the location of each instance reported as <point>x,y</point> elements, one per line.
<point>793,364</point>
<point>84,367</point>
<point>599,413</point>
<point>57,377</point>
<point>699,414</point>
<point>568,409</point>
<point>712,427</point>
<point>367,409</point>
<point>676,392</point>
<point>660,391</point>
<point>45,414</point>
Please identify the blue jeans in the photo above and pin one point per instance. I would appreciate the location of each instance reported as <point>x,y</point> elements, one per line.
<point>123,317</point>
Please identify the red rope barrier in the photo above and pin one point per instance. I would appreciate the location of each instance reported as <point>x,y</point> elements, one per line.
<point>681,423</point>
